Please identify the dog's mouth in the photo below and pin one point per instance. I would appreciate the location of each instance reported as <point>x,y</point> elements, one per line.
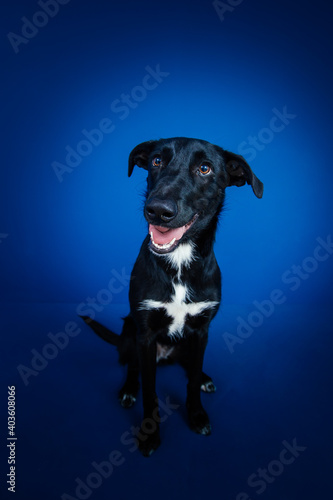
<point>166,239</point>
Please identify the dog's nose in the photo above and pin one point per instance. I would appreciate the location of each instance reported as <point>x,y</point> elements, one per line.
<point>157,210</point>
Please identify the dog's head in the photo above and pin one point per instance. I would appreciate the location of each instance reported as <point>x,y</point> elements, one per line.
<point>186,180</point>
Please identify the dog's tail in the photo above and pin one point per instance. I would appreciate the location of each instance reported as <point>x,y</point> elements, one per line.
<point>102,331</point>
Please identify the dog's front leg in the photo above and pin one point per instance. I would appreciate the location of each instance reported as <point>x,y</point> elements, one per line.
<point>149,435</point>
<point>198,418</point>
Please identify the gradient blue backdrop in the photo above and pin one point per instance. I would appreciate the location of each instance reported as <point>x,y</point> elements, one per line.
<point>62,242</point>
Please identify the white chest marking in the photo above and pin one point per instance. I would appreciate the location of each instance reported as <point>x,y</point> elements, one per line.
<point>178,308</point>
<point>183,255</point>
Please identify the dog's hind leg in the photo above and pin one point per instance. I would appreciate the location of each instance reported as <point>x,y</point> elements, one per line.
<point>150,435</point>
<point>128,392</point>
<point>126,345</point>
<point>128,356</point>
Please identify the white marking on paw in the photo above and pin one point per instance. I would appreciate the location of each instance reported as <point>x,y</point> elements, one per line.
<point>127,400</point>
<point>206,430</point>
<point>208,387</point>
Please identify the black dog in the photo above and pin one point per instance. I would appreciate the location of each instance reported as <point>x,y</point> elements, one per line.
<point>175,287</point>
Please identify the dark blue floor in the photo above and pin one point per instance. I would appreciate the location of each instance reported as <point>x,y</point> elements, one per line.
<point>273,392</point>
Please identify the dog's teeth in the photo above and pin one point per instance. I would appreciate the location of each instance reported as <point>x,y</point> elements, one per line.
<point>172,241</point>
<point>162,247</point>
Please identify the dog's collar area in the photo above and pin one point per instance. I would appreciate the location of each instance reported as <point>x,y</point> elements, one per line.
<point>166,239</point>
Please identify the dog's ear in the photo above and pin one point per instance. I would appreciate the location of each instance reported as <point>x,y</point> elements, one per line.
<point>140,155</point>
<point>240,173</point>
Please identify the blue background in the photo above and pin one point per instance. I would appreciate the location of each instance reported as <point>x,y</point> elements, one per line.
<point>62,242</point>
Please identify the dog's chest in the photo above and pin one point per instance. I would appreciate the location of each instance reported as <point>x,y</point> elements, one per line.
<point>178,308</point>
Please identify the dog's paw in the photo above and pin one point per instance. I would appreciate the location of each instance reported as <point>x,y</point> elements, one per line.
<point>127,400</point>
<point>199,422</point>
<point>149,443</point>
<point>208,386</point>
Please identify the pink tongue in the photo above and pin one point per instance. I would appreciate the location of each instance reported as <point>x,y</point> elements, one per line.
<point>163,235</point>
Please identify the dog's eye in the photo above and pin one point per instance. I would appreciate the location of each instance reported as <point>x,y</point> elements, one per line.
<point>204,169</point>
<point>157,162</point>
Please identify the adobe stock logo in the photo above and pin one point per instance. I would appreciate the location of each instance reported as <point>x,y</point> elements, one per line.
<point>104,297</point>
<point>101,471</point>
<point>3,236</point>
<point>58,342</point>
<point>40,18</point>
<point>254,143</point>
<point>293,277</point>
<point>265,476</point>
<point>41,358</point>
<point>120,108</point>
<point>223,7</point>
